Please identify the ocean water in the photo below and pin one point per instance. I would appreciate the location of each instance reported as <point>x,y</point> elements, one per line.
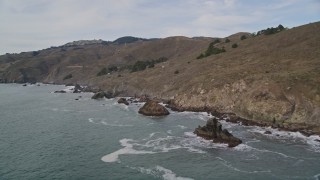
<point>44,135</point>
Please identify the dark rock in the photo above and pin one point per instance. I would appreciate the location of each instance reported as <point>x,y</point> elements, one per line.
<point>24,85</point>
<point>306,133</point>
<point>108,95</point>
<point>152,108</point>
<point>76,99</point>
<point>98,95</point>
<point>61,91</point>
<point>123,101</point>
<point>77,89</point>
<point>268,132</point>
<point>213,130</point>
<point>102,94</point>
<point>318,140</point>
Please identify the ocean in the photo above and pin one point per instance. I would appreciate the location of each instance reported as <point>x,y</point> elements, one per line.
<point>45,135</point>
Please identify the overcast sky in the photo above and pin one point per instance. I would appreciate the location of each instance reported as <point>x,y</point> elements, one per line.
<point>27,25</point>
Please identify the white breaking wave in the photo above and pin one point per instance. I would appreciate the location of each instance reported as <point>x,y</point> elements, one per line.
<point>243,147</point>
<point>246,148</point>
<point>169,175</point>
<point>155,144</point>
<point>128,149</point>
<point>159,171</point>
<point>314,145</point>
<point>122,106</point>
<point>69,89</point>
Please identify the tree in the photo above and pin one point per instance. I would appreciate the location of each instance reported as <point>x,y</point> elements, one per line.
<point>227,40</point>
<point>243,37</point>
<point>280,27</point>
<point>139,66</point>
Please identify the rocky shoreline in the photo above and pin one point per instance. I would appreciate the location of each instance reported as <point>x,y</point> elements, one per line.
<point>233,118</point>
<point>227,116</point>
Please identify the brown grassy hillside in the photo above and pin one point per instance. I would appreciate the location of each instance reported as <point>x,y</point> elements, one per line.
<point>267,78</point>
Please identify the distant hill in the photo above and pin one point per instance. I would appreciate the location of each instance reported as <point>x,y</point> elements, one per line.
<point>272,79</point>
<point>128,39</point>
<point>84,42</point>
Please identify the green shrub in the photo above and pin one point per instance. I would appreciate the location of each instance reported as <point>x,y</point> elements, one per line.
<point>176,72</point>
<point>271,30</point>
<point>227,40</point>
<point>243,37</point>
<point>69,76</point>
<point>201,56</point>
<point>235,45</point>
<point>105,71</point>
<point>35,53</point>
<point>211,50</point>
<point>142,65</point>
<point>102,72</point>
<point>139,66</point>
<point>216,41</point>
<point>113,68</point>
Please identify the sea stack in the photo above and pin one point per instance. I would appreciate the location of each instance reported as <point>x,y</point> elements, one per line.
<point>213,131</point>
<point>123,101</point>
<point>152,108</point>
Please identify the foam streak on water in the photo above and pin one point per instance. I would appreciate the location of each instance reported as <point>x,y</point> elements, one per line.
<point>159,171</point>
<point>128,149</point>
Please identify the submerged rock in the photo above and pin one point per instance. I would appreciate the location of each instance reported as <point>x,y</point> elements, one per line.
<point>61,91</point>
<point>123,101</point>
<point>267,132</point>
<point>213,130</point>
<point>152,108</point>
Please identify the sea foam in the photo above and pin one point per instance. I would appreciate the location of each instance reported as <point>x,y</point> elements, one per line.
<point>106,123</point>
<point>159,171</point>
<point>128,149</point>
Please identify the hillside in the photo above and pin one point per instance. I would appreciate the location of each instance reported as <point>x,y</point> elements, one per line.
<point>272,79</point>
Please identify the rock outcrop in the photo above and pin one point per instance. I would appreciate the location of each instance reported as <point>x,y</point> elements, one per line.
<point>77,89</point>
<point>213,130</point>
<point>152,108</point>
<point>123,101</point>
<point>102,94</point>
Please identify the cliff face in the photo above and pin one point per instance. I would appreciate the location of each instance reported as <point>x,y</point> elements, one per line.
<point>273,79</point>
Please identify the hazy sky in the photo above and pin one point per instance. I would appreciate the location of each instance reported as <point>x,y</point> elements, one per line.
<point>27,25</point>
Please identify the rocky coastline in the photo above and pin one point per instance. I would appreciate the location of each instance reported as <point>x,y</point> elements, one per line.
<point>231,117</point>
